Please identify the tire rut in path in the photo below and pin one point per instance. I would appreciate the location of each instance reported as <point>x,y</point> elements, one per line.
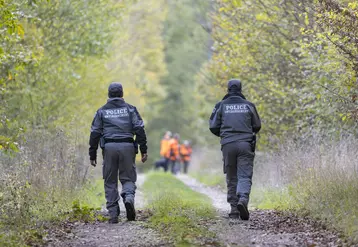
<point>265,227</point>
<point>133,234</point>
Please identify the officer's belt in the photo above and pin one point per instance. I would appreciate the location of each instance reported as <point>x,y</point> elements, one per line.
<point>123,140</point>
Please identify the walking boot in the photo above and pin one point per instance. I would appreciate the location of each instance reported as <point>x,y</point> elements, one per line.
<point>113,220</point>
<point>129,204</point>
<point>242,208</point>
<point>234,213</point>
<point>114,214</point>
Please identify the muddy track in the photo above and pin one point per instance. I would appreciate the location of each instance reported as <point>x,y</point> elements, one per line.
<point>133,234</point>
<point>265,228</point>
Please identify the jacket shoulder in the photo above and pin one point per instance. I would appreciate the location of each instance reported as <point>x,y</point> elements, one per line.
<point>249,103</point>
<point>218,104</point>
<point>239,99</point>
<point>131,108</point>
<point>99,110</point>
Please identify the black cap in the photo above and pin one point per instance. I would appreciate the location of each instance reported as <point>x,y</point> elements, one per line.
<point>234,83</point>
<point>115,90</point>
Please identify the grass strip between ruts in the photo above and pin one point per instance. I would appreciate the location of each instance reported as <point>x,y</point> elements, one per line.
<point>212,179</point>
<point>178,211</point>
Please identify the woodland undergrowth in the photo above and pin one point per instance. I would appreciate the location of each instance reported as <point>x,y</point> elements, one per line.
<point>318,179</point>
<point>44,183</point>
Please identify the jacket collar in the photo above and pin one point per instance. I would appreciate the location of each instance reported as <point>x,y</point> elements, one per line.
<point>115,99</point>
<point>234,94</point>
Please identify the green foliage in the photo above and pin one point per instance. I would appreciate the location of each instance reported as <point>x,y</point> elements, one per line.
<point>330,199</point>
<point>186,49</point>
<point>39,185</point>
<point>63,37</point>
<point>210,178</point>
<point>176,209</point>
<point>84,213</point>
<point>11,240</point>
<point>297,60</point>
<point>289,68</point>
<point>13,54</point>
<point>317,181</point>
<point>273,198</point>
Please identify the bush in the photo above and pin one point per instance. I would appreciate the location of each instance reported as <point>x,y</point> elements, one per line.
<point>39,183</point>
<point>319,178</point>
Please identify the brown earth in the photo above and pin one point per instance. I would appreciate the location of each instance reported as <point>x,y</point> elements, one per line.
<point>124,234</point>
<point>265,228</point>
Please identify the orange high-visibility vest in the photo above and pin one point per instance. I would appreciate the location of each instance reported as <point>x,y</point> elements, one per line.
<point>185,152</point>
<point>174,149</point>
<point>165,148</point>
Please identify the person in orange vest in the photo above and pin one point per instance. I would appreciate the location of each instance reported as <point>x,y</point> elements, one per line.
<point>164,152</point>
<point>185,154</point>
<point>174,152</point>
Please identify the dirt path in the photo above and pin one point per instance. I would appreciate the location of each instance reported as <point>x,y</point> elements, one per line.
<point>265,228</point>
<point>133,234</point>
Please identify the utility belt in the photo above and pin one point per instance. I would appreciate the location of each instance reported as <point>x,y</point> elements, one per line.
<point>122,140</point>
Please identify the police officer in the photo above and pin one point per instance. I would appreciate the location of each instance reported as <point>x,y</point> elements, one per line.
<point>236,121</point>
<point>116,123</point>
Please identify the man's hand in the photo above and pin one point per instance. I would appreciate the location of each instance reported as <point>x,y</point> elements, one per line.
<point>144,157</point>
<point>93,163</point>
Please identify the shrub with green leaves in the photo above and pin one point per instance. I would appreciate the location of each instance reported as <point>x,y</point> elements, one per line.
<point>317,179</point>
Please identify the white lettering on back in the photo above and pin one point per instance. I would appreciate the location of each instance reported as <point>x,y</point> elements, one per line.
<point>116,113</point>
<point>236,108</point>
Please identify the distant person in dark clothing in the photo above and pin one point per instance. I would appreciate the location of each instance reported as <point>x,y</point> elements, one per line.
<point>116,123</point>
<point>236,121</point>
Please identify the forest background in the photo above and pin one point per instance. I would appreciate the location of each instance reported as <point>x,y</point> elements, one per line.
<point>297,59</point>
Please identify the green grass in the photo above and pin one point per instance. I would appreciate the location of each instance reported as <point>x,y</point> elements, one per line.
<point>333,200</point>
<point>331,197</point>
<point>176,210</point>
<point>210,179</point>
<point>261,198</point>
<point>273,198</point>
<point>34,208</point>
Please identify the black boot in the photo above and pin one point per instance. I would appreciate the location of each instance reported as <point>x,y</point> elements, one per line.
<point>129,204</point>
<point>242,208</point>
<point>113,220</point>
<point>114,214</point>
<point>234,213</point>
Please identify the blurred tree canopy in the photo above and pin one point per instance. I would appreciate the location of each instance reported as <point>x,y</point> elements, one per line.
<point>186,46</point>
<point>46,46</point>
<point>297,60</point>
